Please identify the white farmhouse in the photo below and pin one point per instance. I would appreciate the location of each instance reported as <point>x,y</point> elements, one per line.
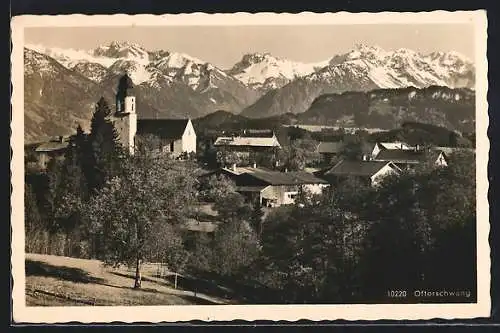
<point>175,136</point>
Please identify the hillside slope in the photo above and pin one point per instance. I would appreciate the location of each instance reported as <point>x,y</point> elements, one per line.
<point>62,281</point>
<point>388,108</point>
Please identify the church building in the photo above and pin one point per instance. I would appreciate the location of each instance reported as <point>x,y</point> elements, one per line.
<point>174,136</point>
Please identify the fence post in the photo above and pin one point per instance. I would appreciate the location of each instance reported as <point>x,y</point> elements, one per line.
<point>175,283</point>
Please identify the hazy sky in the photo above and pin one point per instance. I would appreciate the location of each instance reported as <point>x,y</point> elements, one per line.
<point>225,45</point>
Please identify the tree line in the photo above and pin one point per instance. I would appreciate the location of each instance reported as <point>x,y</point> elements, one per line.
<point>356,243</point>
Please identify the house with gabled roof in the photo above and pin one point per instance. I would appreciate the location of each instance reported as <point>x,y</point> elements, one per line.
<point>175,136</point>
<point>370,172</point>
<point>43,152</point>
<point>247,143</point>
<point>379,146</point>
<point>330,149</point>
<point>272,188</point>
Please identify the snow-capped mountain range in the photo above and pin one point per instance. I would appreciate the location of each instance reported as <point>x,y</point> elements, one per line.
<point>141,65</point>
<point>387,69</point>
<point>174,84</point>
<point>403,67</point>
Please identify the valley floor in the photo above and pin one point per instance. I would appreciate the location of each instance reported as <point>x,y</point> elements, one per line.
<point>62,281</point>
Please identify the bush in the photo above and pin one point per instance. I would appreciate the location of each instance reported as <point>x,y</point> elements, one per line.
<point>201,252</point>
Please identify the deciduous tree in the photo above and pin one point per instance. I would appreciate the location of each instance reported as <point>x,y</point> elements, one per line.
<point>235,246</point>
<point>215,187</point>
<point>126,212</point>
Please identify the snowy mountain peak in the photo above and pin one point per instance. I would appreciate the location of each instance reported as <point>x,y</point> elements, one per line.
<point>363,48</point>
<point>142,65</point>
<point>450,57</point>
<point>69,57</point>
<point>256,57</point>
<point>176,60</point>
<point>36,62</point>
<point>265,71</point>
<point>122,50</point>
<point>94,71</point>
<point>405,51</point>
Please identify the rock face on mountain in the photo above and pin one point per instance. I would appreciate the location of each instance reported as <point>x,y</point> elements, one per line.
<point>91,70</point>
<point>62,85</point>
<point>363,69</point>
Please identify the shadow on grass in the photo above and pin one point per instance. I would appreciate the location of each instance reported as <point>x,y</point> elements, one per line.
<point>225,287</point>
<point>143,278</point>
<point>39,268</point>
<point>190,298</point>
<point>188,284</point>
<point>196,300</point>
<point>198,285</point>
<point>131,276</point>
<point>213,285</point>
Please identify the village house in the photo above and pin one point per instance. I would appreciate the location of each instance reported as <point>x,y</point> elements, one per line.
<point>244,144</point>
<point>408,159</point>
<point>369,172</point>
<point>272,188</point>
<point>330,150</point>
<point>174,136</point>
<point>45,151</point>
<point>379,146</point>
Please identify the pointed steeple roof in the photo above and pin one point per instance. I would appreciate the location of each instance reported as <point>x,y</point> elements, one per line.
<point>125,86</point>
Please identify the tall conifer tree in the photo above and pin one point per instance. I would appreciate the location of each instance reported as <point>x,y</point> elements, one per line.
<point>104,152</point>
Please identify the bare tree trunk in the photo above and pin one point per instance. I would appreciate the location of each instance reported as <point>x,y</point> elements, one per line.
<point>138,278</point>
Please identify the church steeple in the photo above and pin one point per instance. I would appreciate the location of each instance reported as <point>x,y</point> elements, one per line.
<point>125,118</point>
<point>125,96</point>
